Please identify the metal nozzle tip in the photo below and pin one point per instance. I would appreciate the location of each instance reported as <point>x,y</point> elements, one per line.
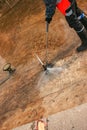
<point>45,68</point>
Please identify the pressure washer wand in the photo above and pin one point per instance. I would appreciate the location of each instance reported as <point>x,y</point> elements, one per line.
<point>47,26</point>
<point>45,66</point>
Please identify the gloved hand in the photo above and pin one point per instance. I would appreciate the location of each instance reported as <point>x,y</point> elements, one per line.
<point>48,19</point>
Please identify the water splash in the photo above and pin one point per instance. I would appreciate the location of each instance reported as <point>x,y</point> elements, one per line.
<point>52,73</point>
<point>54,70</point>
<point>48,75</point>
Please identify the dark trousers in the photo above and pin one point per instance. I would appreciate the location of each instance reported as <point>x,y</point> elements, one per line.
<point>72,19</point>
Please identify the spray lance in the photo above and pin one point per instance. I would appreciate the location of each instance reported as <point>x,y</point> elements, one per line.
<point>47,25</point>
<point>47,64</point>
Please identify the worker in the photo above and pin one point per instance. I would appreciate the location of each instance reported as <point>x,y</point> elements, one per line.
<point>74,16</point>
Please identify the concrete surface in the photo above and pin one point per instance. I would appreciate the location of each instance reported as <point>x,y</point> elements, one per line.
<point>72,119</point>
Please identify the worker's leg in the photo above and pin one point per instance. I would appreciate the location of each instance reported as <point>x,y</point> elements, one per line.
<point>69,9</point>
<point>79,13</point>
<point>81,16</point>
<point>73,22</point>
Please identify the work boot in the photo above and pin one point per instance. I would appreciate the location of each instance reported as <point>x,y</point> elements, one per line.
<point>83,37</point>
<point>84,21</point>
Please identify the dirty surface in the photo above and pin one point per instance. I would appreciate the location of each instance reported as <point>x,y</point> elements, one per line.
<point>30,93</point>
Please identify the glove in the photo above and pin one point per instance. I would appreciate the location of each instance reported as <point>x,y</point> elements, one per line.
<point>48,19</point>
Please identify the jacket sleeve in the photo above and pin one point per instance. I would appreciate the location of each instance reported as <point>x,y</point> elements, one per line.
<point>50,7</point>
